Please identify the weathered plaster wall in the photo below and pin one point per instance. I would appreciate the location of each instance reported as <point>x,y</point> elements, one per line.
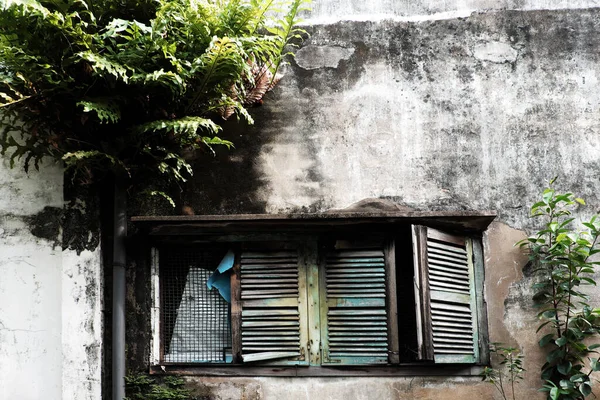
<point>443,112</point>
<point>331,10</point>
<point>472,113</point>
<point>468,113</point>
<point>50,308</point>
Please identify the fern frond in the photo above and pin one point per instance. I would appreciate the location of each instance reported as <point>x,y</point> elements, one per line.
<point>187,129</point>
<point>72,158</point>
<point>104,67</point>
<point>224,61</point>
<point>262,82</point>
<point>174,165</point>
<point>216,141</point>
<point>129,30</point>
<point>159,193</point>
<point>87,161</point>
<point>105,109</point>
<point>168,79</point>
<point>286,31</point>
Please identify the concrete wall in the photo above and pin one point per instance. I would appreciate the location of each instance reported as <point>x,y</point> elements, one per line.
<point>436,108</point>
<point>331,10</point>
<point>50,299</point>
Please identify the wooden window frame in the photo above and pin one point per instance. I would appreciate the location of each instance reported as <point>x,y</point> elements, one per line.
<point>394,368</point>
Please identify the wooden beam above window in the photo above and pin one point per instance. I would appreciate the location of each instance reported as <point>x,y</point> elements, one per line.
<point>464,221</point>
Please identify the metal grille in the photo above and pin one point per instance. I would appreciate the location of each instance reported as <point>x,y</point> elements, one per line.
<point>195,321</point>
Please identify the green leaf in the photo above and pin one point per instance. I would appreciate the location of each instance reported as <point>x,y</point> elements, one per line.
<point>105,109</point>
<point>105,67</point>
<point>566,384</point>
<point>585,389</point>
<point>189,127</point>
<point>564,368</point>
<point>580,200</point>
<point>546,339</point>
<point>547,195</point>
<point>163,195</point>
<point>555,355</point>
<point>561,341</point>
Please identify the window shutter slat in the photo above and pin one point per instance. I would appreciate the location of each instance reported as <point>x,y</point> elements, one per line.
<point>353,297</point>
<point>272,323</point>
<point>447,297</point>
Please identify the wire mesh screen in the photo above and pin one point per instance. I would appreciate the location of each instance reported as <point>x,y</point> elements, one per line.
<point>195,321</point>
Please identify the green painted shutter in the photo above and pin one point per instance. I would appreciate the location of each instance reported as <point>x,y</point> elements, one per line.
<point>273,307</point>
<point>353,307</point>
<point>446,297</point>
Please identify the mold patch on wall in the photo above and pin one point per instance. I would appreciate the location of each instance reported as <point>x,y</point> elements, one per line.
<point>81,218</point>
<point>47,224</point>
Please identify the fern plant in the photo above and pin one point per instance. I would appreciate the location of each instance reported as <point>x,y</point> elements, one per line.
<point>131,86</point>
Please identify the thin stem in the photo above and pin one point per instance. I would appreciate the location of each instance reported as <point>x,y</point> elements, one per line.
<point>554,299</point>
<point>568,312</point>
<point>512,374</point>
<point>502,392</point>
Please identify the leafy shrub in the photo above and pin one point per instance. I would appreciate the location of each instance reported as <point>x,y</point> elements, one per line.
<point>144,387</point>
<point>563,259</point>
<point>132,86</point>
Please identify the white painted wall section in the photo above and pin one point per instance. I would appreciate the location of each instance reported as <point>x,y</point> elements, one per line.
<point>50,300</point>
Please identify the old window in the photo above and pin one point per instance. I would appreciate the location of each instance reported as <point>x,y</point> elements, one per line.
<point>409,294</point>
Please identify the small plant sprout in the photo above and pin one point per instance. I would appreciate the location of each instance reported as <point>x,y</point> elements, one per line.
<point>509,371</point>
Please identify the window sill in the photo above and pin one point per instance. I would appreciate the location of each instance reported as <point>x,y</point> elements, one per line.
<point>316,371</point>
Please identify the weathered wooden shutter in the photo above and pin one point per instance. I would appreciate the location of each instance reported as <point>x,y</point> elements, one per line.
<point>273,307</point>
<point>446,300</point>
<point>353,307</point>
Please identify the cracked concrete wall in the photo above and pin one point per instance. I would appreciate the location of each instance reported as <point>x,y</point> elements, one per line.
<point>50,302</point>
<point>435,108</point>
<point>470,113</point>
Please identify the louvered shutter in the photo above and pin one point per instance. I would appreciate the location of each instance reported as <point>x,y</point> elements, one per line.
<point>273,307</point>
<point>446,297</point>
<point>353,307</point>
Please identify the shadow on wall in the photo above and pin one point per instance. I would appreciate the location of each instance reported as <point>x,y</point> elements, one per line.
<point>229,182</point>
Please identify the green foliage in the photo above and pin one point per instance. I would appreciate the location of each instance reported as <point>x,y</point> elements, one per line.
<point>563,258</point>
<point>144,387</point>
<point>511,369</point>
<point>135,85</point>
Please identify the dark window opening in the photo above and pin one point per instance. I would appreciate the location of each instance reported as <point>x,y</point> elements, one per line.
<point>195,321</point>
<point>328,299</point>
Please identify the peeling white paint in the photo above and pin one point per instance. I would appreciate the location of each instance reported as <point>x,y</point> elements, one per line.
<point>314,57</point>
<point>495,52</point>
